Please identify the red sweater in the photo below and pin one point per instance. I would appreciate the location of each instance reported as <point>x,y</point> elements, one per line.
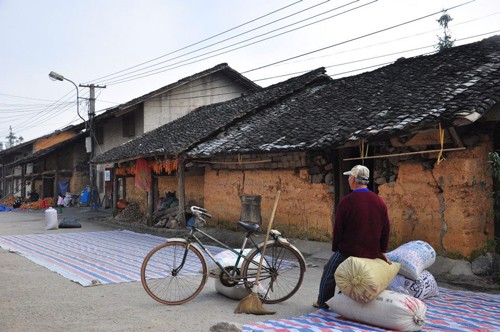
<point>361,227</point>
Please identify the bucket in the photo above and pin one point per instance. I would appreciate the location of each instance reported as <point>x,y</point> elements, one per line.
<point>51,219</point>
<point>250,208</point>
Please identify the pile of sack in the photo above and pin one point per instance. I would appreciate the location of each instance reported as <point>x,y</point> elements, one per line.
<point>373,292</point>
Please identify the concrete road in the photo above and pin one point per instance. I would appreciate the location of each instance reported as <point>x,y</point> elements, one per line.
<point>32,298</point>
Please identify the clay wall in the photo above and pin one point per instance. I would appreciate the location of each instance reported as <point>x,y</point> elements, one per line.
<point>304,209</point>
<point>448,205</point>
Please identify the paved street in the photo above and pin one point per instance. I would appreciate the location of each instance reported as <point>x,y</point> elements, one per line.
<point>36,299</point>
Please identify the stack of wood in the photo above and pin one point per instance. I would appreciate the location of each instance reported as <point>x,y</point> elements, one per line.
<point>167,218</point>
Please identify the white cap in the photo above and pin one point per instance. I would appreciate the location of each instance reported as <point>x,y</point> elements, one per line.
<point>359,172</point>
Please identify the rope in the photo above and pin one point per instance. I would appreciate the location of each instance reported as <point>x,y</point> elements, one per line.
<point>440,157</point>
<point>362,151</point>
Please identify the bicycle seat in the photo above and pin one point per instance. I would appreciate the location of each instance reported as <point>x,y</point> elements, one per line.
<point>249,226</point>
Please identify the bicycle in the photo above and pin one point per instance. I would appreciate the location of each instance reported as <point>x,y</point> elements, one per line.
<point>176,271</point>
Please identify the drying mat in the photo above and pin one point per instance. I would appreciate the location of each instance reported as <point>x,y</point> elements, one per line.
<point>89,258</point>
<point>449,311</point>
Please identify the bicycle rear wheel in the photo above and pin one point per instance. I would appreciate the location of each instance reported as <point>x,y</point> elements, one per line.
<point>281,274</point>
<point>168,278</point>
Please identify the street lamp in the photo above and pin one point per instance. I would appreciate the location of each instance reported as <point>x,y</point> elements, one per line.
<point>58,77</point>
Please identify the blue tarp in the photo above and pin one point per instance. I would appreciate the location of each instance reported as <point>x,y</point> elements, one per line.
<point>4,208</point>
<point>85,197</point>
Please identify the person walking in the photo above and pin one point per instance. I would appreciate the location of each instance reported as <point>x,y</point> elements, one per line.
<point>361,229</point>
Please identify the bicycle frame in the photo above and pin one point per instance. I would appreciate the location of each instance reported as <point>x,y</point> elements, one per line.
<point>193,238</point>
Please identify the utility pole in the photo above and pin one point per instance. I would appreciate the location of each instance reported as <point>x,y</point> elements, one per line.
<point>94,193</point>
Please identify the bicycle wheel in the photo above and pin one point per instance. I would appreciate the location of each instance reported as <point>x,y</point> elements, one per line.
<point>169,280</point>
<point>281,274</point>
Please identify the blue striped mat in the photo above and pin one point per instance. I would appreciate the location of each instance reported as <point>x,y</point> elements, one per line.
<point>451,310</point>
<point>88,258</point>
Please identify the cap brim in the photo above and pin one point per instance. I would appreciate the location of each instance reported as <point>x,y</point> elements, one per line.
<point>347,173</point>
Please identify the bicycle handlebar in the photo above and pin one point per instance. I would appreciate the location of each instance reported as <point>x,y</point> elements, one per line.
<point>200,211</point>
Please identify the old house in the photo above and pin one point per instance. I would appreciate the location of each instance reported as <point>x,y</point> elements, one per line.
<point>423,125</point>
<point>140,115</point>
<point>42,164</point>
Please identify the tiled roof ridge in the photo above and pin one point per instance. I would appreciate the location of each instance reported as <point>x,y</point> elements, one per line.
<point>217,68</point>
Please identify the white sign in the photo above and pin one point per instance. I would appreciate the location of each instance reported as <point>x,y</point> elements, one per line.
<point>107,175</point>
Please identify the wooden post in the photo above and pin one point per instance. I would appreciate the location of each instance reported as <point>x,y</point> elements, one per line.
<point>23,181</point>
<point>182,195</point>
<point>56,181</point>
<point>151,202</point>
<point>115,190</point>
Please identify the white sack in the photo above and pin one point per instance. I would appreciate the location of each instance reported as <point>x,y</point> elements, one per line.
<point>422,288</point>
<point>390,310</point>
<point>414,256</point>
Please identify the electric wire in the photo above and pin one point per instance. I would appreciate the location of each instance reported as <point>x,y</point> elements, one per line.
<point>184,62</point>
<point>201,41</point>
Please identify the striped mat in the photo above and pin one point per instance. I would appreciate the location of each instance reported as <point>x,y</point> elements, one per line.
<point>89,258</point>
<point>449,311</point>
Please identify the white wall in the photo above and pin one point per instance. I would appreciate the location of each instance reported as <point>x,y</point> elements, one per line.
<point>182,100</point>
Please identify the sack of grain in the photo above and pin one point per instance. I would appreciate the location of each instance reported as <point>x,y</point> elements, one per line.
<point>422,288</point>
<point>414,256</point>
<point>362,279</point>
<point>390,310</point>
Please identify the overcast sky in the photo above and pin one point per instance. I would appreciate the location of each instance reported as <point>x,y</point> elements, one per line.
<point>133,47</point>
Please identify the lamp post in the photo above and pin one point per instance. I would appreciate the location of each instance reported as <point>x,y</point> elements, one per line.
<point>58,77</point>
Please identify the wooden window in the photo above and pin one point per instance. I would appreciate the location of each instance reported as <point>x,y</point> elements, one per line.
<point>99,135</point>
<point>128,125</point>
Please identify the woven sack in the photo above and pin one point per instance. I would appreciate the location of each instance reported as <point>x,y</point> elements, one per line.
<point>390,310</point>
<point>362,279</point>
<point>422,288</point>
<point>414,256</point>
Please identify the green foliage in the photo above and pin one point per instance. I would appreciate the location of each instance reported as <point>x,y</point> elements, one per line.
<point>494,160</point>
<point>456,256</point>
<point>490,246</point>
<point>446,41</point>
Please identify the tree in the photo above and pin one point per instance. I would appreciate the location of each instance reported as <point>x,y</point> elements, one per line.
<point>445,42</point>
<point>11,137</point>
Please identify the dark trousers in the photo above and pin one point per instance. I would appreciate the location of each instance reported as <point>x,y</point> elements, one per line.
<point>327,283</point>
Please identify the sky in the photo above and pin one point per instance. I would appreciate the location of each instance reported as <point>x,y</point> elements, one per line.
<point>133,47</point>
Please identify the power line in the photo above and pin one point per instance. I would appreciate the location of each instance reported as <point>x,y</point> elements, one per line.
<point>201,41</point>
<point>356,38</point>
<point>183,62</point>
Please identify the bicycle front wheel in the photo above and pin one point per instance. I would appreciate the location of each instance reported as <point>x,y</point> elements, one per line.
<point>281,274</point>
<point>173,273</point>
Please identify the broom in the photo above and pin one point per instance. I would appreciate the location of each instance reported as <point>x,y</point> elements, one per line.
<point>252,304</point>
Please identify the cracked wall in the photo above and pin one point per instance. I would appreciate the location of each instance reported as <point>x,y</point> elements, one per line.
<point>449,206</point>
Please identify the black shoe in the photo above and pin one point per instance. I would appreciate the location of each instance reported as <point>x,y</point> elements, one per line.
<point>323,306</point>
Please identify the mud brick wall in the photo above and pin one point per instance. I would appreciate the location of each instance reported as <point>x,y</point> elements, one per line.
<point>304,209</point>
<point>448,205</point>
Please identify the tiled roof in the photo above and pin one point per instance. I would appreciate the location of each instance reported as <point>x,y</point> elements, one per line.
<point>34,156</point>
<point>200,124</point>
<point>454,87</point>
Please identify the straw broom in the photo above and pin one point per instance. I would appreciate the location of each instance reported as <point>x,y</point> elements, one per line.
<point>252,304</point>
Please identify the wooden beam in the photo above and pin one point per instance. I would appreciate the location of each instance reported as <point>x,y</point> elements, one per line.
<point>405,154</point>
<point>182,193</point>
<point>454,136</point>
